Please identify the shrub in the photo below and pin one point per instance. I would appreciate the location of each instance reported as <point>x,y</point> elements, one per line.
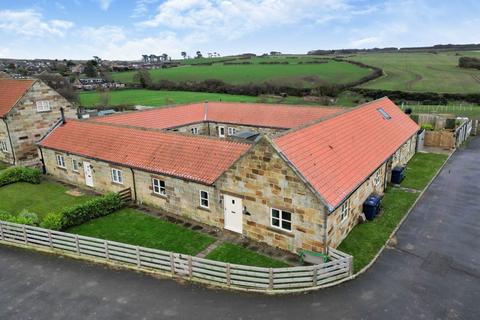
<point>19,174</point>
<point>427,126</point>
<point>30,216</point>
<point>53,221</point>
<point>95,208</point>
<point>16,219</point>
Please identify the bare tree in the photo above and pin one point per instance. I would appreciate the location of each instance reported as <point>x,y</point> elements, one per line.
<point>145,58</point>
<point>165,57</point>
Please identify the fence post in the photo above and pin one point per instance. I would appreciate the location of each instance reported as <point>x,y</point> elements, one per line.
<point>190,267</point>
<point>106,250</point>
<point>229,280</point>
<point>1,231</point>
<point>350,266</point>
<point>315,275</point>
<point>50,241</point>
<point>270,278</point>
<point>172,263</point>
<point>77,244</point>
<point>139,262</point>
<point>25,233</point>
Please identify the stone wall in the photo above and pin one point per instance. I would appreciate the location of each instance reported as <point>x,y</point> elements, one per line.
<point>27,125</point>
<point>5,156</point>
<point>263,180</point>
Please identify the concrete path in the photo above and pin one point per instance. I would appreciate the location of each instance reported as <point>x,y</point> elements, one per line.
<point>433,273</point>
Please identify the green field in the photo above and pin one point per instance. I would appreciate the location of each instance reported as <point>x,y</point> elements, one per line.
<point>294,74</point>
<point>159,98</point>
<point>422,72</point>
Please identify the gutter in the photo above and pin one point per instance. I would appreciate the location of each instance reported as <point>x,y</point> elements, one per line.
<point>11,143</point>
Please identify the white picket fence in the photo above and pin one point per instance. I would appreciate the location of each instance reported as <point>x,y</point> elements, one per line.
<point>181,265</point>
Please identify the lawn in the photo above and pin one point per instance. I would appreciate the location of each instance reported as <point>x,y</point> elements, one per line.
<point>421,169</point>
<point>136,228</point>
<point>366,239</point>
<point>40,198</point>
<point>228,252</point>
<point>422,72</point>
<point>303,75</point>
<point>458,110</point>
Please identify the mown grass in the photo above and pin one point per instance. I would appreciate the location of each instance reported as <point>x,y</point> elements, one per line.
<point>421,169</point>
<point>158,98</point>
<point>232,253</point>
<point>303,75</point>
<point>366,239</point>
<point>136,228</point>
<point>40,198</point>
<point>420,72</point>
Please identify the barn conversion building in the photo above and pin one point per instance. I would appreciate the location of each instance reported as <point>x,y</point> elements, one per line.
<point>299,185</point>
<point>28,110</point>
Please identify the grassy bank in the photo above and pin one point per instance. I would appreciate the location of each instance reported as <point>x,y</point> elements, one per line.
<point>228,252</point>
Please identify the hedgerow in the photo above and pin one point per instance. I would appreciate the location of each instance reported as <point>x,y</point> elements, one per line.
<point>19,174</point>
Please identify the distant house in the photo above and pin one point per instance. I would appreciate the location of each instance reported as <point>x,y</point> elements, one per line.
<point>28,110</point>
<point>299,185</point>
<point>89,84</point>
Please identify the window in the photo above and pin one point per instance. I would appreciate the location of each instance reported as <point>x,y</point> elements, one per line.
<point>221,132</point>
<point>61,161</point>
<point>376,178</point>
<point>231,131</point>
<point>384,114</point>
<point>43,106</point>
<point>117,176</point>
<point>345,210</point>
<point>194,130</point>
<point>75,165</point>
<point>281,219</point>
<point>3,146</point>
<point>159,187</point>
<point>204,199</point>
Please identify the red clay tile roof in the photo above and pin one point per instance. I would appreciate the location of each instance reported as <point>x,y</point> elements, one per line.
<point>10,92</point>
<point>338,154</point>
<point>196,158</point>
<point>254,114</point>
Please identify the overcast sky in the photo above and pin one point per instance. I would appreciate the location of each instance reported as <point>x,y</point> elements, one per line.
<point>121,29</point>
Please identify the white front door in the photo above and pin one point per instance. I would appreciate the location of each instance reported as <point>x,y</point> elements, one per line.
<point>233,209</point>
<point>87,168</point>
<point>221,131</point>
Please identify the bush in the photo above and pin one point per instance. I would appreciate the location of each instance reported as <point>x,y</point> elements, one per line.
<point>19,174</point>
<point>427,126</point>
<point>95,208</point>
<point>30,216</point>
<point>16,219</point>
<point>53,221</point>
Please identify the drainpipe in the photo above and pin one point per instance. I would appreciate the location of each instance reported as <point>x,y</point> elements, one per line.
<point>62,112</point>
<point>134,184</point>
<point>11,143</point>
<point>44,168</point>
<point>325,228</point>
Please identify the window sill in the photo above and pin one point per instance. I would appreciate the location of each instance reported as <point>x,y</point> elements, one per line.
<point>117,184</point>
<point>204,209</point>
<point>283,232</point>
<point>62,168</point>
<point>161,196</point>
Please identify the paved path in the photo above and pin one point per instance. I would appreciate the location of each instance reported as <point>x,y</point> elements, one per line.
<point>433,273</point>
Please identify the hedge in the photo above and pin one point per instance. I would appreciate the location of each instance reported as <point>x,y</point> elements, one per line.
<point>81,213</point>
<point>29,219</point>
<point>19,174</point>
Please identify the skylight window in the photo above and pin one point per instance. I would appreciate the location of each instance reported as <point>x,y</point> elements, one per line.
<point>384,114</point>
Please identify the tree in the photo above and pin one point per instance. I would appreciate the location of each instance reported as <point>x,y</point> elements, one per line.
<point>104,97</point>
<point>91,69</point>
<point>165,57</point>
<point>145,58</point>
<point>199,54</point>
<point>143,77</point>
<point>184,54</point>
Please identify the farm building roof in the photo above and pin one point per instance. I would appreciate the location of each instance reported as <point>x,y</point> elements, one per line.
<point>336,155</point>
<point>253,114</point>
<point>11,91</point>
<point>195,158</point>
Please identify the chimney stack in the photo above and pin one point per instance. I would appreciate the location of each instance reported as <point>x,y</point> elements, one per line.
<point>62,112</point>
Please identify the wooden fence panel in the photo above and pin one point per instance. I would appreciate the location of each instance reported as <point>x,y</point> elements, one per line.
<point>182,265</point>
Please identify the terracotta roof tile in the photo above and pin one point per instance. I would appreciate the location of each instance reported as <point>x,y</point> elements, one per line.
<point>338,154</point>
<point>196,158</point>
<point>254,114</point>
<point>10,92</point>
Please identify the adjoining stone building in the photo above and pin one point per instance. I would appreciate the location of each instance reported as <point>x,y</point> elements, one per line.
<point>28,110</point>
<point>300,185</point>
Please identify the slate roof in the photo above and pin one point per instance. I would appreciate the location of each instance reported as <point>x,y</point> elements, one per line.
<point>195,158</point>
<point>10,92</point>
<point>253,114</point>
<point>338,154</point>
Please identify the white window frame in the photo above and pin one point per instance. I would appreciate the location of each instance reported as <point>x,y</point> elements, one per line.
<point>281,219</point>
<point>194,130</point>
<point>220,128</point>
<point>61,161</point>
<point>157,187</point>
<point>117,176</point>
<point>231,131</point>
<point>377,178</point>
<point>43,106</point>
<point>207,198</point>
<point>345,210</point>
<point>75,165</point>
<point>3,145</point>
